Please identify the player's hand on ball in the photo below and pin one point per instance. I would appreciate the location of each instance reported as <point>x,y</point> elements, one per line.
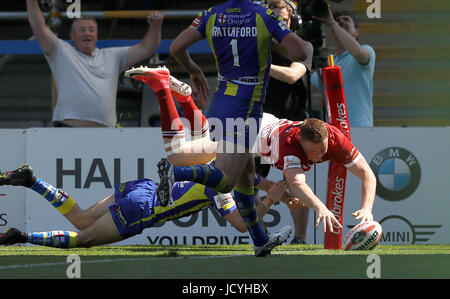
<point>363,215</point>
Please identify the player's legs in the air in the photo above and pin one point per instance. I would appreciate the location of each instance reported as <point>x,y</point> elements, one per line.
<point>158,79</point>
<point>234,148</point>
<point>179,151</point>
<point>182,92</point>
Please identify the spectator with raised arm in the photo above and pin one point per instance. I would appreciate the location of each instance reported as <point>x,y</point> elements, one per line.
<point>357,63</point>
<point>86,77</point>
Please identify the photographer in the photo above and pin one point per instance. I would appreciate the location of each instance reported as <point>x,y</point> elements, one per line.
<point>286,96</point>
<point>286,92</point>
<point>357,63</point>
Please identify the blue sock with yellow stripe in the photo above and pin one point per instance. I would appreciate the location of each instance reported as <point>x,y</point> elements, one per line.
<point>57,198</point>
<point>58,239</point>
<point>204,174</point>
<point>245,200</point>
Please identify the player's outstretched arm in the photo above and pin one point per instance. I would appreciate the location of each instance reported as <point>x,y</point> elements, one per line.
<point>368,185</point>
<point>277,192</point>
<point>298,187</point>
<point>266,185</point>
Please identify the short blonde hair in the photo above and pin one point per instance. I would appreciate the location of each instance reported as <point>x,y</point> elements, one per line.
<point>83,18</point>
<point>281,4</point>
<point>313,130</point>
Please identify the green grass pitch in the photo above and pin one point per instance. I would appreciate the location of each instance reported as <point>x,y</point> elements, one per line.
<point>225,262</point>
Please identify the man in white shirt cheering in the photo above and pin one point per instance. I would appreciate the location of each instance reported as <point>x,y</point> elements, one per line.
<point>87,77</point>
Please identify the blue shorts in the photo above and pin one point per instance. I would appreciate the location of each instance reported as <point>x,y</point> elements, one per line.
<point>134,201</point>
<point>234,119</point>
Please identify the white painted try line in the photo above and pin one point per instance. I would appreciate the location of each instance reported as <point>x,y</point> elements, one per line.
<point>18,266</point>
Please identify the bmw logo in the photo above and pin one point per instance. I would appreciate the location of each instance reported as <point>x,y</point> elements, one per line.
<point>397,171</point>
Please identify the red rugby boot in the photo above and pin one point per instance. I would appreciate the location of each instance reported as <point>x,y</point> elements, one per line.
<point>157,78</point>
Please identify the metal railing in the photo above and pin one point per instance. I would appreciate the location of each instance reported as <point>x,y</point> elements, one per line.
<point>31,46</point>
<point>11,48</point>
<point>108,14</point>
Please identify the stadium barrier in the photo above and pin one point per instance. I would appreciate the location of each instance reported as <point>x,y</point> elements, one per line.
<point>31,47</point>
<point>412,197</point>
<point>107,14</point>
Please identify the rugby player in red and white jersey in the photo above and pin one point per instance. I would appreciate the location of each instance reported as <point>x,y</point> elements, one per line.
<point>294,146</point>
<point>278,141</point>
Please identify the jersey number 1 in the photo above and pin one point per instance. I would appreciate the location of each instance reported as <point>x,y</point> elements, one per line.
<point>234,50</point>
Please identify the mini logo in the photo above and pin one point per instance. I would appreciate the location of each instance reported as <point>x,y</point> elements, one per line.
<point>398,173</point>
<point>397,230</point>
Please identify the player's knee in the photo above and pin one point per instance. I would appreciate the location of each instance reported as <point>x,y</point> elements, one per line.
<point>85,239</point>
<point>85,222</point>
<point>231,183</point>
<point>80,220</point>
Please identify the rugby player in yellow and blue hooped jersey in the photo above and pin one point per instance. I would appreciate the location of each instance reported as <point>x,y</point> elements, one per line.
<point>132,208</point>
<point>240,39</point>
<point>241,35</point>
<point>238,42</point>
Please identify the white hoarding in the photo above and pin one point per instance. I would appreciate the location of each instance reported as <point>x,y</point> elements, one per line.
<point>412,202</point>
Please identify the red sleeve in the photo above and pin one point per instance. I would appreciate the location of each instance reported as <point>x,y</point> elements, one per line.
<point>341,148</point>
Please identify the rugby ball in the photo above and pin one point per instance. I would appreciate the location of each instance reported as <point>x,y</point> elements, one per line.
<point>364,236</point>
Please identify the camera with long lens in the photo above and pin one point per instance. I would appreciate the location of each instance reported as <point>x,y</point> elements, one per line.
<point>46,5</point>
<point>311,29</point>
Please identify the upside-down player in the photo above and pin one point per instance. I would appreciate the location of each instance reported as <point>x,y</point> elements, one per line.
<point>291,146</point>
<point>201,150</point>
